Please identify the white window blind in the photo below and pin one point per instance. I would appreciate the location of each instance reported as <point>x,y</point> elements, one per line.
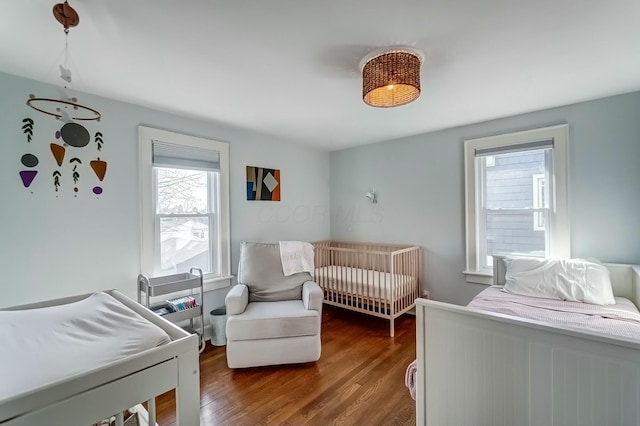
<point>166,154</point>
<point>483,152</point>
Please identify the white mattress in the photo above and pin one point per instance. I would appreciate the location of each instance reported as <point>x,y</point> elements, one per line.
<point>42,346</point>
<point>363,282</point>
<point>621,319</point>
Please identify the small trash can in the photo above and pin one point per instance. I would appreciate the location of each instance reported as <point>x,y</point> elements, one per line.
<point>218,318</point>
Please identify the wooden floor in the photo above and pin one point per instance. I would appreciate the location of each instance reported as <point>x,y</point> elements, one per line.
<point>359,380</point>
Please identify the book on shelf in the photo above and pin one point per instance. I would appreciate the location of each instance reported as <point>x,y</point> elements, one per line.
<point>162,310</point>
<point>182,303</point>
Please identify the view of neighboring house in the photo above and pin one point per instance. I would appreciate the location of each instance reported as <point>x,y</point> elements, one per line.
<point>516,202</point>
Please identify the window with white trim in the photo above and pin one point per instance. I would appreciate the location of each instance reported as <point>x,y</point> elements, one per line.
<point>185,205</point>
<point>516,198</point>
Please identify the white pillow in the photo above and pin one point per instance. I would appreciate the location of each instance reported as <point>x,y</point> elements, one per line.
<point>575,280</point>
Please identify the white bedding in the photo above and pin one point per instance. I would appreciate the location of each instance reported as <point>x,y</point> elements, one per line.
<point>363,282</point>
<point>574,280</point>
<point>621,319</point>
<point>45,345</point>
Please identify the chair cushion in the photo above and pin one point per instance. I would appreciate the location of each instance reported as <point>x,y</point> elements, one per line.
<point>260,269</point>
<point>268,320</point>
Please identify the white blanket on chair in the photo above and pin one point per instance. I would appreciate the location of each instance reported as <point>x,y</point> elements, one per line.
<point>297,256</point>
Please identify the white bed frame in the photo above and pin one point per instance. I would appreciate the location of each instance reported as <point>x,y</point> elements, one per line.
<point>87,398</point>
<point>480,368</point>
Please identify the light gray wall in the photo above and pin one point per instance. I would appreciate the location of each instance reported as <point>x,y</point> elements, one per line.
<point>420,186</point>
<point>53,247</point>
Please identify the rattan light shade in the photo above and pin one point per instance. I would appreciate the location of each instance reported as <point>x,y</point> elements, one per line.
<point>391,79</point>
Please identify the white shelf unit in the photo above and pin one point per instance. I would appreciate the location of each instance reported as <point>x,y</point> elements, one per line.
<point>150,290</point>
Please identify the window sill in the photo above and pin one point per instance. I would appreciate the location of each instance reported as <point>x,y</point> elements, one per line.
<point>216,283</point>
<point>478,277</point>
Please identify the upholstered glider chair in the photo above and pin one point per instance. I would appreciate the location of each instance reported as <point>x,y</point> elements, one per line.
<point>272,318</point>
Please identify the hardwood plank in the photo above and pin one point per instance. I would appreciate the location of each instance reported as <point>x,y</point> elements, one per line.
<point>359,379</point>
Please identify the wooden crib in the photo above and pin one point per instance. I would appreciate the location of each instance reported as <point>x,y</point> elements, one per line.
<point>376,279</point>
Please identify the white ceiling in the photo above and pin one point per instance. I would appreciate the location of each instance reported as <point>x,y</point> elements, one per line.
<point>289,68</point>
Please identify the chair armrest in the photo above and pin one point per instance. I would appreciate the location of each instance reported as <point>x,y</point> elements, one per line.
<point>312,296</point>
<point>237,299</point>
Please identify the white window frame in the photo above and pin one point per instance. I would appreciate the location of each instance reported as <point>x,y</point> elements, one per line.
<point>559,224</point>
<point>537,181</point>
<point>146,136</point>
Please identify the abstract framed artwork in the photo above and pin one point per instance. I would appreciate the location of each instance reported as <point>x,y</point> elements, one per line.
<point>263,184</point>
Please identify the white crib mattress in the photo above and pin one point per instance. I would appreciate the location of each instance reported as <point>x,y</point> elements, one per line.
<point>364,282</point>
<point>45,345</point>
<point>621,319</point>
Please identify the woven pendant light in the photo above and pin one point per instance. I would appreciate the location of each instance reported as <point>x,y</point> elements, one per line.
<point>391,78</point>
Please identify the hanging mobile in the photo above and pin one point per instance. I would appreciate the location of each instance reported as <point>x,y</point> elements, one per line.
<point>69,18</point>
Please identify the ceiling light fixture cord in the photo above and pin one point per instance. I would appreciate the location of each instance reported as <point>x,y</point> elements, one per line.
<point>66,47</point>
<point>68,18</point>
